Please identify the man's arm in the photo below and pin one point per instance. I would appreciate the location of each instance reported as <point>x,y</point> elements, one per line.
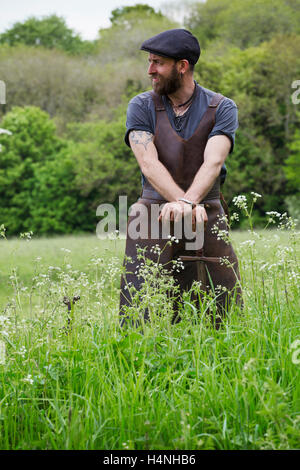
<point>215,153</point>
<point>142,145</point>
<point>156,173</point>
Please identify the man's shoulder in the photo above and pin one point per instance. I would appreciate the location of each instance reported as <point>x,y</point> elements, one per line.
<point>140,114</point>
<point>209,94</point>
<point>143,99</point>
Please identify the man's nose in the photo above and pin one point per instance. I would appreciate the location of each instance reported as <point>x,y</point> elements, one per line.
<point>151,68</point>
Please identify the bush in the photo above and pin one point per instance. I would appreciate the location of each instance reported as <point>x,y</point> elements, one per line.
<point>37,190</point>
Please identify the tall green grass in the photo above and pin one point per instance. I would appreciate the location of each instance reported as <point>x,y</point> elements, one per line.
<point>183,386</point>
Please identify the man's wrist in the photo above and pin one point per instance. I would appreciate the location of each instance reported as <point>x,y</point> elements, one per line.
<point>187,201</point>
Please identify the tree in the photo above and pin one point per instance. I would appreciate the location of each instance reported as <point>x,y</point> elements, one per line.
<point>130,27</point>
<point>105,167</point>
<point>121,15</point>
<point>292,163</point>
<point>56,205</point>
<point>81,88</point>
<point>68,88</point>
<point>259,80</point>
<point>243,24</point>
<point>32,142</point>
<point>204,21</point>
<point>251,22</point>
<point>49,31</point>
<point>119,53</point>
<point>37,178</point>
<point>292,172</point>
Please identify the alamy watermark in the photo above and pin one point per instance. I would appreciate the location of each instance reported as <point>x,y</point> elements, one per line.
<point>295,346</point>
<point>294,96</point>
<point>144,223</point>
<point>2,92</point>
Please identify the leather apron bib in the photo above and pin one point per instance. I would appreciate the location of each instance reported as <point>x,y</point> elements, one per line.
<point>183,158</point>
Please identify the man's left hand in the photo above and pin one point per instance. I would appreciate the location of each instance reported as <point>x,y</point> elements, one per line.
<point>175,211</point>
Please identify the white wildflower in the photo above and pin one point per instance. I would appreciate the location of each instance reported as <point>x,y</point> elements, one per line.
<point>22,352</point>
<point>234,216</point>
<point>173,239</point>
<point>272,215</point>
<point>2,230</point>
<point>250,364</point>
<point>66,250</point>
<point>28,379</point>
<point>26,235</point>
<point>2,352</point>
<point>248,243</point>
<point>240,201</point>
<point>255,196</point>
<point>265,265</point>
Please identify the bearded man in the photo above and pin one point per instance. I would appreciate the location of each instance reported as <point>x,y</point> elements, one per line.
<point>181,134</point>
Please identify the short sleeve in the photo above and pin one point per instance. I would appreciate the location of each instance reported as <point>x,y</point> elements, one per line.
<point>139,117</point>
<point>226,121</point>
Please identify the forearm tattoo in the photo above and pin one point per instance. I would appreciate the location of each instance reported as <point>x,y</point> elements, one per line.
<point>141,137</point>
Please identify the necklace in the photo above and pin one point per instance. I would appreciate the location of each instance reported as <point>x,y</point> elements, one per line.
<point>186,102</point>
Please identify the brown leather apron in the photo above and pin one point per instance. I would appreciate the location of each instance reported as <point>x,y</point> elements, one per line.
<point>183,158</point>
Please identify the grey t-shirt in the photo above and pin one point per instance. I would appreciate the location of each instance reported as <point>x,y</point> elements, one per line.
<point>141,116</point>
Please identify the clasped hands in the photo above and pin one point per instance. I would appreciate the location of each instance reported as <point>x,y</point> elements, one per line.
<point>176,210</point>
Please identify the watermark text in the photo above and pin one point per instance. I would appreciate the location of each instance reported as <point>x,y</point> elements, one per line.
<point>2,92</point>
<point>144,223</point>
<point>296,95</point>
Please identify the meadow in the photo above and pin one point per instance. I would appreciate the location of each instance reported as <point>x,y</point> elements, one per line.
<point>76,380</point>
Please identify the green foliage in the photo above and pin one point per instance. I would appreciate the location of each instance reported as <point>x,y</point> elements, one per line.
<point>33,136</point>
<point>250,53</point>
<point>37,177</point>
<point>33,141</point>
<point>124,38</point>
<point>292,172</point>
<point>56,205</point>
<point>259,80</point>
<point>68,88</point>
<point>105,167</point>
<point>250,23</point>
<point>53,186</point>
<point>120,15</point>
<point>204,20</point>
<point>292,164</point>
<point>50,32</point>
<point>292,203</point>
<point>177,387</point>
<point>243,24</point>
<point>81,88</point>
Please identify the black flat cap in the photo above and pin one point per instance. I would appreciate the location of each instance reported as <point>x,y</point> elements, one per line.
<point>174,43</point>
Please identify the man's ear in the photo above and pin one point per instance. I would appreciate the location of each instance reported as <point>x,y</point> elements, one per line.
<point>183,66</point>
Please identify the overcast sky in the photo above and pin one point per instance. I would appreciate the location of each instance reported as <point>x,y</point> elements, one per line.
<point>84,16</point>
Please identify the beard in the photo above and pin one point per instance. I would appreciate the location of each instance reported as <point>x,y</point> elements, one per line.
<point>168,85</point>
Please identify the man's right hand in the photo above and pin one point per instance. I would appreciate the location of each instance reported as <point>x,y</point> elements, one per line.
<point>175,211</point>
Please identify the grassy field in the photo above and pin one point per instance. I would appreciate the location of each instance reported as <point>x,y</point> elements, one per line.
<point>184,386</point>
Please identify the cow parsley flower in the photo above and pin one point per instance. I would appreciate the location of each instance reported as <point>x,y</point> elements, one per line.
<point>28,379</point>
<point>240,202</point>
